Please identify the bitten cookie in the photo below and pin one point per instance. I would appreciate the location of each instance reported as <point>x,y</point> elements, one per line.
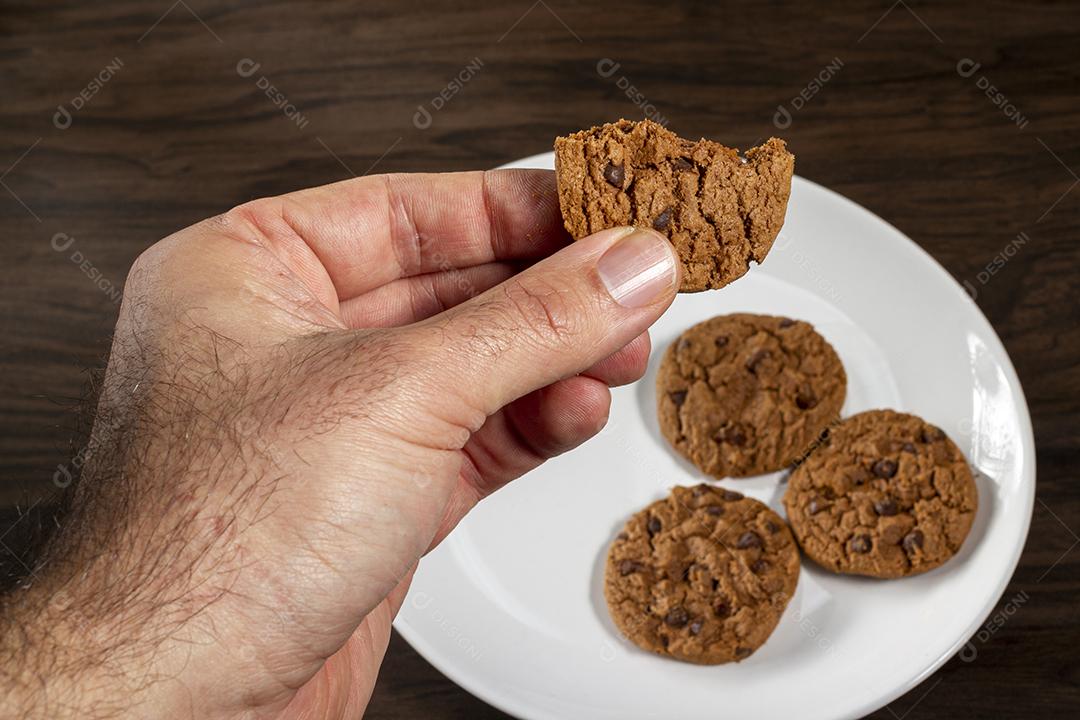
<point>746,394</point>
<point>719,211</point>
<point>702,576</point>
<point>885,495</point>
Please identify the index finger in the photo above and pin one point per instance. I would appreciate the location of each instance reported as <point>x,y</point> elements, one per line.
<point>369,231</point>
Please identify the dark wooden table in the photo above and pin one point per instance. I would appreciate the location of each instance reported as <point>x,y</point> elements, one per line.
<point>122,121</point>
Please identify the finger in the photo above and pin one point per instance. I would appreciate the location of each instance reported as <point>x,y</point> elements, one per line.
<point>366,232</point>
<point>535,428</point>
<point>550,322</point>
<point>410,299</point>
<point>625,365</point>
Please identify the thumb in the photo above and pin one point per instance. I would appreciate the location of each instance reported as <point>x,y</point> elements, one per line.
<point>553,320</point>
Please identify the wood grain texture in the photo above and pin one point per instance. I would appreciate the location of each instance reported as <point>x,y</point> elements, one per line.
<point>178,134</point>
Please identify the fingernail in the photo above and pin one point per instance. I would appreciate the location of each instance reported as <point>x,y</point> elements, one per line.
<point>638,268</point>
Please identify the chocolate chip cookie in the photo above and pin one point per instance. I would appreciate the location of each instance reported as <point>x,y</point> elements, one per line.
<point>886,494</point>
<point>719,210</point>
<point>746,394</point>
<point>702,575</point>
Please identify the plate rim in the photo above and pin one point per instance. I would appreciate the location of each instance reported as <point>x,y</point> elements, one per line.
<point>1028,473</point>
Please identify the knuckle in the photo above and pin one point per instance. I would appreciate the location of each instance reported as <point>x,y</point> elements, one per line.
<point>141,270</point>
<point>165,268</point>
<point>187,267</point>
<point>152,272</point>
<point>546,312</point>
<point>248,221</point>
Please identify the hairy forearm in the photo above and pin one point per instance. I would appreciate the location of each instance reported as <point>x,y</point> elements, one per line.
<point>106,618</point>
<point>57,663</point>
<point>74,637</point>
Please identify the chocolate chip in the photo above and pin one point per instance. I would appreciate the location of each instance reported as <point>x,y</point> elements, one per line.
<point>861,544</point>
<point>715,509</point>
<point>759,565</point>
<point>732,435</point>
<point>699,489</point>
<point>627,567</point>
<point>742,652</point>
<point>731,495</point>
<point>662,220</point>
<point>748,539</point>
<point>913,540</point>
<point>756,359</point>
<point>663,640</point>
<point>908,447</point>
<point>695,627</point>
<point>721,341</point>
<point>678,397</point>
<point>622,536</point>
<point>816,506</point>
<point>805,398</point>
<point>682,163</point>
<point>614,174</point>
<point>722,608</point>
<point>828,493</point>
<point>677,617</point>
<point>886,507</point>
<point>653,525</point>
<point>786,322</point>
<point>931,434</point>
<point>884,468</point>
<point>771,526</point>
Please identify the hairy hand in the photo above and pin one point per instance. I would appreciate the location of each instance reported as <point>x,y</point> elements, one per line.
<point>304,396</point>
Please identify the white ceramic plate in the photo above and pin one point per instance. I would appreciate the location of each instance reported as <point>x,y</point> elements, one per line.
<point>511,606</point>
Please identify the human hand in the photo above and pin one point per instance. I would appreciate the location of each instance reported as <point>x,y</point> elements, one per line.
<point>305,395</point>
